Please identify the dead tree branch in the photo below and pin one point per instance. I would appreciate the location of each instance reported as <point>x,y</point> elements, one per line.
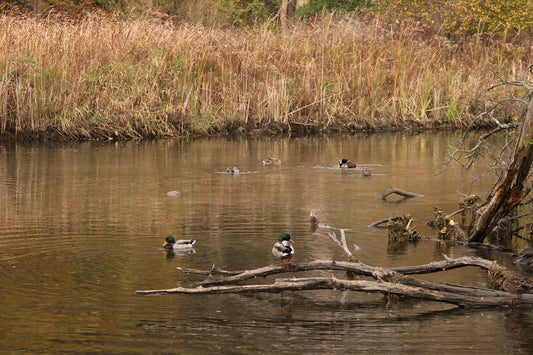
<point>387,281</point>
<point>493,299</point>
<point>343,245</point>
<point>509,190</point>
<point>356,268</point>
<point>392,190</point>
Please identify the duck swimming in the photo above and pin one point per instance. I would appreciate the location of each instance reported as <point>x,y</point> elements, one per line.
<point>232,170</point>
<point>180,244</point>
<point>346,163</point>
<point>366,172</point>
<point>524,258</point>
<point>271,161</point>
<point>283,249</point>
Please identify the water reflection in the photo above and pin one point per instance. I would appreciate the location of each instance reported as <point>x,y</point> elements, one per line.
<point>82,226</point>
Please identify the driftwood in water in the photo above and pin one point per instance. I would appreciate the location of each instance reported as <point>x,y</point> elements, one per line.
<point>382,223</point>
<point>495,299</point>
<point>386,281</point>
<point>392,190</point>
<point>509,190</point>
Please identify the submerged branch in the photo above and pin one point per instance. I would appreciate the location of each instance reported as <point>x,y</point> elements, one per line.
<point>393,190</point>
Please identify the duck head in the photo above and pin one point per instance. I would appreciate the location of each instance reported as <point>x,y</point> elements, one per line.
<point>285,236</point>
<point>343,162</point>
<point>169,241</point>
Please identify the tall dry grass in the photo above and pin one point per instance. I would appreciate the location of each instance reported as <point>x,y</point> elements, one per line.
<point>101,77</point>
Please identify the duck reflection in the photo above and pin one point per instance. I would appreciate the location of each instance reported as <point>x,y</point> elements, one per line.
<point>171,253</point>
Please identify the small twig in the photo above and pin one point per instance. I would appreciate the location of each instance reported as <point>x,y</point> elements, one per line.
<point>343,245</point>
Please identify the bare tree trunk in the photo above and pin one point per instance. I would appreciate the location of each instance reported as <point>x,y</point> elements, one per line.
<point>37,7</point>
<point>509,189</point>
<point>283,14</point>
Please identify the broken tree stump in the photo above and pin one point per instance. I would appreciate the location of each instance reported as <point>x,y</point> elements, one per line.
<point>509,189</point>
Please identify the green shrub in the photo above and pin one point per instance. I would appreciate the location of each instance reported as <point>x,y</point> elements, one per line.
<point>343,6</point>
<point>460,16</point>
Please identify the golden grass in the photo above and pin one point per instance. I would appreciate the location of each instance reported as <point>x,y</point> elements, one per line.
<point>100,77</point>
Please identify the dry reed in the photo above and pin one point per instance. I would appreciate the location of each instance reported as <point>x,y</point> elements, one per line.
<point>100,77</point>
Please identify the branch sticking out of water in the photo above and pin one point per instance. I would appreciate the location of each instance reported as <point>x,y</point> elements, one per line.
<point>386,281</point>
<point>393,190</point>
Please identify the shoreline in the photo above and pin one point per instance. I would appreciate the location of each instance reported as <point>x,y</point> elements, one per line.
<point>100,79</point>
<point>276,130</point>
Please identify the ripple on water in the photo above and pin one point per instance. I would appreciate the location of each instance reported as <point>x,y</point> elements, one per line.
<point>82,229</point>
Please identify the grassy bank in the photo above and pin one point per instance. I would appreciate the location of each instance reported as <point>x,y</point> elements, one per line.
<point>104,78</point>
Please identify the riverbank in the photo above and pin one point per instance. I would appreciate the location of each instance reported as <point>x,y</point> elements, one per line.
<point>103,78</point>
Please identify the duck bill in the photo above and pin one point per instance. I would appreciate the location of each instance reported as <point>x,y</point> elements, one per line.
<point>165,243</point>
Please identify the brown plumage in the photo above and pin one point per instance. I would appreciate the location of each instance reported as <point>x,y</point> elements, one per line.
<point>313,220</point>
<point>232,170</point>
<point>517,284</point>
<point>346,163</point>
<point>271,161</point>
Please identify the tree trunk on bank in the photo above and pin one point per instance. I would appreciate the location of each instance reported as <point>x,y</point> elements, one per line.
<point>283,14</point>
<point>37,7</point>
<point>508,191</point>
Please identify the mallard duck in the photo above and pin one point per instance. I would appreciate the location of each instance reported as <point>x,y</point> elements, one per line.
<point>283,249</point>
<point>173,244</point>
<point>313,220</point>
<point>271,161</point>
<point>232,170</point>
<point>517,284</point>
<point>524,258</point>
<point>346,163</point>
<point>366,172</point>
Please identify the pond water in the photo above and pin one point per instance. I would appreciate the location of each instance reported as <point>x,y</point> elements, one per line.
<point>82,227</point>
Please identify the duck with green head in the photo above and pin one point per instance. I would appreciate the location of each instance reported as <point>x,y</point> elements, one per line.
<point>283,249</point>
<point>173,244</point>
<point>346,163</point>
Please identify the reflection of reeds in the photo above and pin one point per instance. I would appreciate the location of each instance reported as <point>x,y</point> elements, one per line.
<point>99,77</point>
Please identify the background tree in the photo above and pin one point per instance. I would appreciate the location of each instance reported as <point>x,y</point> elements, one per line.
<point>459,16</point>
<point>513,160</point>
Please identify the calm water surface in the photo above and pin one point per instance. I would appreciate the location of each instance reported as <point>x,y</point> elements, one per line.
<point>82,227</point>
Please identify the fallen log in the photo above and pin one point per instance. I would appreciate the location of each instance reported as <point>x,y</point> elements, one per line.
<point>387,281</point>
<point>358,268</point>
<point>493,299</point>
<point>446,264</point>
